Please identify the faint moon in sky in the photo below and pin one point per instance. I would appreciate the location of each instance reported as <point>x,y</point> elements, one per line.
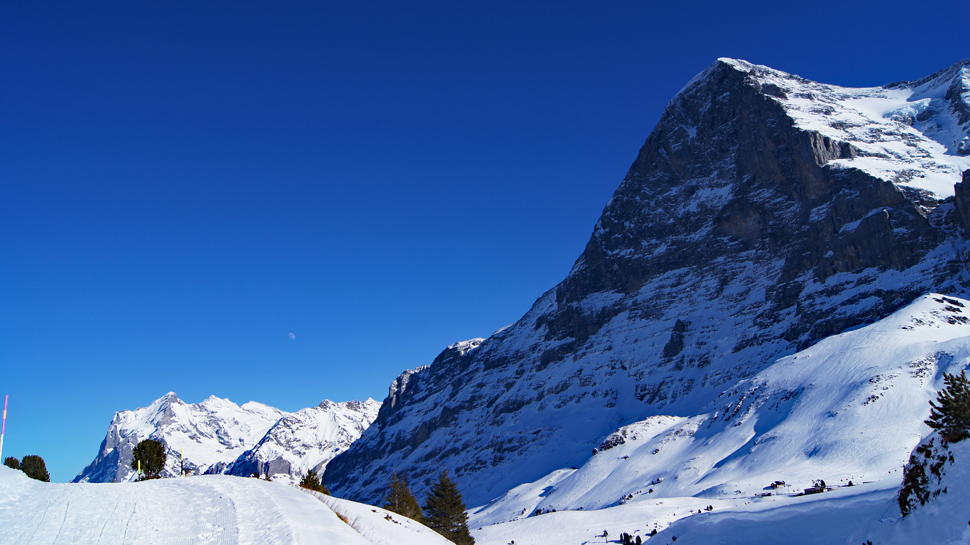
<point>292,336</point>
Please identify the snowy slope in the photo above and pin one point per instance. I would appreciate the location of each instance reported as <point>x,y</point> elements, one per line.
<point>850,408</point>
<point>217,434</point>
<point>202,509</point>
<point>843,517</point>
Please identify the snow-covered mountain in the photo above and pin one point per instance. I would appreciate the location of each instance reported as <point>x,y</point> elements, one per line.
<point>306,439</point>
<point>764,213</point>
<point>216,436</point>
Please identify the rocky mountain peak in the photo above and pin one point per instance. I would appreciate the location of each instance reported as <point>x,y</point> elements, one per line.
<point>763,213</point>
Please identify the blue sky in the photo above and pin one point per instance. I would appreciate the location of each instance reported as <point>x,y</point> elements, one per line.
<point>183,186</point>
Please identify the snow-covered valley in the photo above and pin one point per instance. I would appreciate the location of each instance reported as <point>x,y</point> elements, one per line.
<point>745,352</point>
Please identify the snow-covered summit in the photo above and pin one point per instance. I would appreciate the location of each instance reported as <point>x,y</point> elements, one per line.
<point>211,432</point>
<point>914,134</point>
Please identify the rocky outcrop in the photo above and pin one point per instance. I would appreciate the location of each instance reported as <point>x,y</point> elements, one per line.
<point>761,215</point>
<point>962,198</point>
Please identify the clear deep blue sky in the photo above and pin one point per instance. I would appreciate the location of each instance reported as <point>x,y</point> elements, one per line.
<point>184,186</point>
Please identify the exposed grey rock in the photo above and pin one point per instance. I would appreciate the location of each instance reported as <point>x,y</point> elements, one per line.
<point>962,199</point>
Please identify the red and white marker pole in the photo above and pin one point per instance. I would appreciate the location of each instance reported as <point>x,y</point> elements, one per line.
<point>3,428</point>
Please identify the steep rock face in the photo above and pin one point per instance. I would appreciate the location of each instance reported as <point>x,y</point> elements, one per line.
<point>763,213</point>
<point>962,198</point>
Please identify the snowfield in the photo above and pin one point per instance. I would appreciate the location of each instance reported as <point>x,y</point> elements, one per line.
<point>848,409</point>
<point>205,509</point>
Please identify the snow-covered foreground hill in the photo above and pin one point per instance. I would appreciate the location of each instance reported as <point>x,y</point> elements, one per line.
<point>214,509</point>
<point>848,409</point>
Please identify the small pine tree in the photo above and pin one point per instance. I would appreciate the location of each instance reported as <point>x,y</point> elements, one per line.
<point>950,413</point>
<point>35,468</point>
<point>151,454</point>
<point>310,481</point>
<point>444,511</point>
<point>400,500</point>
<point>11,462</point>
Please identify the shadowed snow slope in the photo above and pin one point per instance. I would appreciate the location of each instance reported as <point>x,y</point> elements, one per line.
<point>850,408</point>
<point>204,509</point>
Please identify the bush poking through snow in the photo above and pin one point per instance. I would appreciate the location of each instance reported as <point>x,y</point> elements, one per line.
<point>311,481</point>
<point>151,455</point>
<point>11,462</point>
<point>35,468</point>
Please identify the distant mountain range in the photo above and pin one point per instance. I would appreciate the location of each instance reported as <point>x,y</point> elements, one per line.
<point>218,436</point>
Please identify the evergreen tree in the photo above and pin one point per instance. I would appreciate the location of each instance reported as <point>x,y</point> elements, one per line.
<point>35,468</point>
<point>444,511</point>
<point>951,412</point>
<point>310,481</point>
<point>11,462</point>
<point>151,454</point>
<point>400,500</point>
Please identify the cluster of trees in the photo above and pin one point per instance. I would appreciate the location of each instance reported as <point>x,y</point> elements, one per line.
<point>444,509</point>
<point>32,465</point>
<point>627,539</point>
